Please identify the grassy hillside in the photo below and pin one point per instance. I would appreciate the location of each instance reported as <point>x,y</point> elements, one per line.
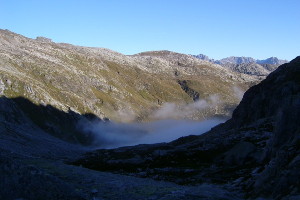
<point>110,84</point>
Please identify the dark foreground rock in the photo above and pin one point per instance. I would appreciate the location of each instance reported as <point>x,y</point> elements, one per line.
<point>19,181</point>
<point>257,151</point>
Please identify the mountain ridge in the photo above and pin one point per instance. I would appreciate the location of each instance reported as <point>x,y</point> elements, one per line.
<point>242,60</point>
<point>247,65</point>
<point>110,84</point>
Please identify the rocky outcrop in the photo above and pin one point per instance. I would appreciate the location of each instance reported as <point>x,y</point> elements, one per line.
<point>256,151</point>
<point>192,93</point>
<point>268,98</point>
<point>278,99</point>
<point>204,57</point>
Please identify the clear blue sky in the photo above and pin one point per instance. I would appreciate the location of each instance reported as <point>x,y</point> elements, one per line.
<point>217,28</point>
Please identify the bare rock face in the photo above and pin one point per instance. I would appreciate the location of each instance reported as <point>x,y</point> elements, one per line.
<point>257,151</point>
<point>43,39</point>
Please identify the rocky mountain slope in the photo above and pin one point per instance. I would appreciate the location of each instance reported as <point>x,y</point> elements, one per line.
<point>252,68</point>
<point>113,85</point>
<point>255,152</point>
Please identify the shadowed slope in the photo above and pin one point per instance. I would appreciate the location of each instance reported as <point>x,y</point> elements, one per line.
<point>60,124</point>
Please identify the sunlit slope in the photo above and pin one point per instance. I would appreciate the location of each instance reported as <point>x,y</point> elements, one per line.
<point>110,84</point>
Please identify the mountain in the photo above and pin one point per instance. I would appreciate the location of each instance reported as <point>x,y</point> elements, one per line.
<point>204,57</point>
<point>256,152</point>
<point>272,61</point>
<point>53,94</point>
<point>251,68</point>
<point>241,60</point>
<point>246,60</point>
<point>235,60</point>
<point>112,85</point>
<point>246,65</point>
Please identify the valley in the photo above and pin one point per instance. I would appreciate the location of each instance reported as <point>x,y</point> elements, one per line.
<point>91,123</point>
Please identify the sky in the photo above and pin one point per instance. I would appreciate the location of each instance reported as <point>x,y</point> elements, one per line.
<point>217,28</point>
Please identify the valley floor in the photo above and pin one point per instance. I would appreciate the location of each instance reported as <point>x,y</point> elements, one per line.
<point>91,184</point>
<point>39,178</point>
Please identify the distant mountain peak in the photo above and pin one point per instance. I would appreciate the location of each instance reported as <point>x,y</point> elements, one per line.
<point>241,60</point>
<point>204,57</point>
<point>272,61</point>
<point>236,60</point>
<point>246,65</point>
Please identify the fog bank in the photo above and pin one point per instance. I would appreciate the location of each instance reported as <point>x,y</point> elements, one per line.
<point>112,134</point>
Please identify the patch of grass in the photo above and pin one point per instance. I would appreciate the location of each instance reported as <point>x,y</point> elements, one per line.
<point>105,98</point>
